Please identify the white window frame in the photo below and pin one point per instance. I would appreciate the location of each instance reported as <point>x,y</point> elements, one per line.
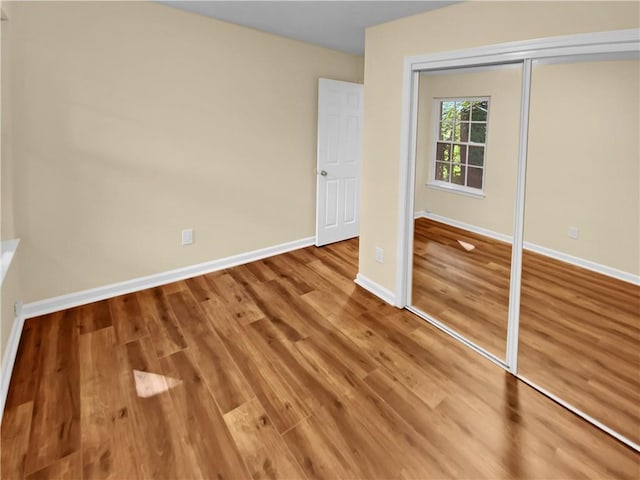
<point>449,186</point>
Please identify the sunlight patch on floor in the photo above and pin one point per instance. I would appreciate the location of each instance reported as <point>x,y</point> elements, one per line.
<point>467,246</point>
<point>151,384</point>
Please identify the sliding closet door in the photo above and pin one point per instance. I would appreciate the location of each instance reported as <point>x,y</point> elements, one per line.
<point>580,308</point>
<point>465,186</point>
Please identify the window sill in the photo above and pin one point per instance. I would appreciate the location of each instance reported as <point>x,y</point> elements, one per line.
<point>7,249</point>
<point>459,191</point>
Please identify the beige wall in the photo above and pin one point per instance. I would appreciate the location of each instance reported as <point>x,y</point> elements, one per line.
<point>583,167</point>
<point>132,121</point>
<point>11,284</point>
<point>583,160</point>
<point>468,24</point>
<point>7,227</point>
<point>495,211</point>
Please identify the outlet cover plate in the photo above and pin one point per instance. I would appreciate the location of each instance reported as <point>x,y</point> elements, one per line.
<point>187,236</point>
<point>573,232</point>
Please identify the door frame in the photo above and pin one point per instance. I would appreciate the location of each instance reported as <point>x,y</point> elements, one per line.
<point>523,52</point>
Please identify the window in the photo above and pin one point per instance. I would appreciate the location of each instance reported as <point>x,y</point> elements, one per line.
<point>461,136</point>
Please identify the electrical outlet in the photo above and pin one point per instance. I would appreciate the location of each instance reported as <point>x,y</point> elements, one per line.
<point>187,236</point>
<point>379,255</point>
<point>573,233</point>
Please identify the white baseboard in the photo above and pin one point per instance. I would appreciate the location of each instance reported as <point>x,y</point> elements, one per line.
<point>9,357</point>
<point>377,289</point>
<point>43,307</point>
<point>532,247</point>
<point>586,264</point>
<point>465,226</point>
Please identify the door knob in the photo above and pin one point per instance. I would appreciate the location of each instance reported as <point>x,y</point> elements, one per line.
<point>323,173</point>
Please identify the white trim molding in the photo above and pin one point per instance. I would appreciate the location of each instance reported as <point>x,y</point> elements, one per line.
<point>593,43</point>
<point>10,354</point>
<point>586,264</point>
<point>580,413</point>
<point>7,251</point>
<point>464,226</point>
<point>457,191</point>
<point>50,305</point>
<point>532,247</point>
<point>376,289</point>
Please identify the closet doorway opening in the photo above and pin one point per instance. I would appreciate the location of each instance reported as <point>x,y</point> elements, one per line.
<point>512,235</point>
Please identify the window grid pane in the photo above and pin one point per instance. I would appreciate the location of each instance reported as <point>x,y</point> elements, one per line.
<point>443,152</point>
<point>460,147</point>
<point>443,171</point>
<point>479,111</point>
<point>478,132</point>
<point>446,130</point>
<point>458,175</point>
<point>474,177</point>
<point>476,156</point>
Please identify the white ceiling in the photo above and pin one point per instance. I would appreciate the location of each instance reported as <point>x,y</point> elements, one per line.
<point>338,25</point>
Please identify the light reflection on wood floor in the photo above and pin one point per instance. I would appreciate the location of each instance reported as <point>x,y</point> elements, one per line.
<point>282,368</point>
<point>579,330</point>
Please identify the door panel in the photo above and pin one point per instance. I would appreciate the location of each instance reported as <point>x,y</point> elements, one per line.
<point>333,140</point>
<point>338,164</point>
<point>331,199</point>
<point>350,199</point>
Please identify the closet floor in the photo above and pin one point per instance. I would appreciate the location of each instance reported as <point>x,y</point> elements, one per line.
<point>579,330</point>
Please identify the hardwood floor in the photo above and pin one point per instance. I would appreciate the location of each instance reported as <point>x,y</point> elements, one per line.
<point>580,339</point>
<point>467,291</point>
<point>282,368</point>
<point>579,330</point>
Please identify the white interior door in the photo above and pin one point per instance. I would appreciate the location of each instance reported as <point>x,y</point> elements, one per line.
<point>339,155</point>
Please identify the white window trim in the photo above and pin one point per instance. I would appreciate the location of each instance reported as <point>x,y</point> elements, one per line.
<point>457,189</point>
<point>449,186</point>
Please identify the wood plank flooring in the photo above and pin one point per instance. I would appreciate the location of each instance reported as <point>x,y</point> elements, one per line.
<point>580,339</point>
<point>282,368</point>
<point>467,291</point>
<point>579,330</point>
